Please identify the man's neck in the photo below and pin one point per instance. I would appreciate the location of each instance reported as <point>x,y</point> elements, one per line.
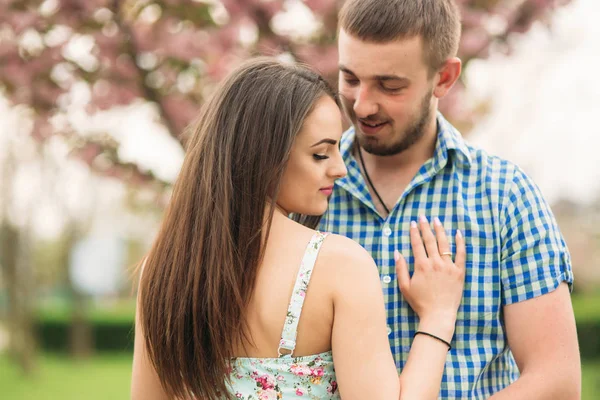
<point>390,175</point>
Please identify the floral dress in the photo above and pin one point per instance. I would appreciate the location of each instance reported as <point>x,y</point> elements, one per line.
<point>288,377</point>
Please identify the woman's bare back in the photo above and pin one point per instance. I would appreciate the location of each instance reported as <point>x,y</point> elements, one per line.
<point>268,306</point>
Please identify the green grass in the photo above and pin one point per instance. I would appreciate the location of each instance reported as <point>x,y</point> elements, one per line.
<point>591,380</point>
<point>102,377</point>
<point>108,377</point>
<point>586,307</point>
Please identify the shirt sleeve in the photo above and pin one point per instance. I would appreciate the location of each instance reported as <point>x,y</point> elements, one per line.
<point>535,258</point>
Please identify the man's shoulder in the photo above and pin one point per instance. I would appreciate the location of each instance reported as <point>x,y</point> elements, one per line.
<point>471,160</point>
<point>492,167</point>
<point>494,174</point>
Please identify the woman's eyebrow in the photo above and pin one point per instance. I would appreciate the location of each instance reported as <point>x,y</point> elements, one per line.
<point>327,140</point>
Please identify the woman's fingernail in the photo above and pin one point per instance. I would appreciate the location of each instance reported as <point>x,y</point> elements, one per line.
<point>396,255</point>
<point>413,224</point>
<point>459,233</point>
<point>437,221</point>
<point>423,219</point>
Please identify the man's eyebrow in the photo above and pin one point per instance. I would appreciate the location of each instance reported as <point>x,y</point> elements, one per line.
<point>392,78</point>
<point>327,140</point>
<point>378,77</point>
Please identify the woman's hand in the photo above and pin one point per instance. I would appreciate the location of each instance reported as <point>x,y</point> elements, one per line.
<point>436,288</point>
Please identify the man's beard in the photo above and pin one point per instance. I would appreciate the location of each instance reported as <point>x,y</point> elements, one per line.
<point>412,134</point>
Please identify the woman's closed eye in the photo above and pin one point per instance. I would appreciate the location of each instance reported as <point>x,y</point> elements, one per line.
<point>320,157</point>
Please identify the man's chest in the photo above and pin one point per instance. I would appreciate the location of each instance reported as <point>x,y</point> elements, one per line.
<point>474,213</point>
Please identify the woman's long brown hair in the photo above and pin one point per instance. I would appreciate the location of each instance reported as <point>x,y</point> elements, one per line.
<point>201,270</point>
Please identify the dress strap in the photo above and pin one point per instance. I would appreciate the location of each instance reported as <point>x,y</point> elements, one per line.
<point>290,327</point>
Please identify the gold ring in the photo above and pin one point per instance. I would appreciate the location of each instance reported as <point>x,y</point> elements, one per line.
<point>447,253</point>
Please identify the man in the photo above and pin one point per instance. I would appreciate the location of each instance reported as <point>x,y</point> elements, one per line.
<point>515,335</point>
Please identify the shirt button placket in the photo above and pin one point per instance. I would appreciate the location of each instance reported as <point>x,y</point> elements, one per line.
<point>388,260</point>
<point>385,254</point>
<point>387,231</point>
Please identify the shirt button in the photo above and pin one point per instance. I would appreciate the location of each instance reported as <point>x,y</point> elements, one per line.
<point>389,330</point>
<point>387,279</point>
<point>387,231</point>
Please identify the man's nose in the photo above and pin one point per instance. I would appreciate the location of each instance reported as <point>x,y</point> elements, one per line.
<point>364,103</point>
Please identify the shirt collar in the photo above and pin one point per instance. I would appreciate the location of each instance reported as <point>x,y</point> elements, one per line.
<point>449,138</point>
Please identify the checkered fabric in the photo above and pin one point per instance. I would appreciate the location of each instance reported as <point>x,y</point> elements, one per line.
<point>514,251</point>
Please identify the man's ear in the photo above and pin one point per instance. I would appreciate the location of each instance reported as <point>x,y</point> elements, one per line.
<point>447,76</point>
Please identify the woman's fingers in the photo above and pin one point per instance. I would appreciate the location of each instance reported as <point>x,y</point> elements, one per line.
<point>402,272</point>
<point>428,238</point>
<point>442,239</point>
<point>416,242</point>
<point>461,251</point>
<point>427,246</point>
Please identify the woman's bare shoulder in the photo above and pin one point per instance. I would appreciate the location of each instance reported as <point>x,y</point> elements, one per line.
<point>342,253</point>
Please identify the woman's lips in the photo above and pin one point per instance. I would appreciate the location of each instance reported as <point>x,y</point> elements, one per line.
<point>326,190</point>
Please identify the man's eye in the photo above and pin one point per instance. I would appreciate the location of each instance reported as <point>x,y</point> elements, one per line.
<point>320,157</point>
<point>392,89</point>
<point>351,82</point>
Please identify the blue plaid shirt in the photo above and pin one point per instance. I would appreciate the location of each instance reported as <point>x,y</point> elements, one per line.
<point>514,251</point>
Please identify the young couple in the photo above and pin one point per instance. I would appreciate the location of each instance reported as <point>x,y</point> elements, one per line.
<point>437,270</point>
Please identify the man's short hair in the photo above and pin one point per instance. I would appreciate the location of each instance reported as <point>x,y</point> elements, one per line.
<point>437,22</point>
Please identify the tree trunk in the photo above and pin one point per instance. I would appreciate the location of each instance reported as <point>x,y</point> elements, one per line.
<point>19,282</point>
<point>81,343</point>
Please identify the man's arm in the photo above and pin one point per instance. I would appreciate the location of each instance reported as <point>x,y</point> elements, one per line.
<point>538,316</point>
<point>542,337</point>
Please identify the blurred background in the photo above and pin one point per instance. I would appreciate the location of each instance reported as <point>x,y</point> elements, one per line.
<point>94,95</point>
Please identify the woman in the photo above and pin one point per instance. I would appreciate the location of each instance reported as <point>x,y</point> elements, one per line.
<point>224,284</point>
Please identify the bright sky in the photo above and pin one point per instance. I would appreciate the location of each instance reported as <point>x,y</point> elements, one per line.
<point>544,100</point>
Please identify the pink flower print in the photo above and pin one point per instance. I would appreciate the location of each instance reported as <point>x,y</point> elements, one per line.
<point>299,392</point>
<point>302,293</point>
<point>238,395</point>
<point>267,395</point>
<point>319,371</point>
<point>332,389</point>
<point>265,382</point>
<point>280,378</point>
<point>300,370</point>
